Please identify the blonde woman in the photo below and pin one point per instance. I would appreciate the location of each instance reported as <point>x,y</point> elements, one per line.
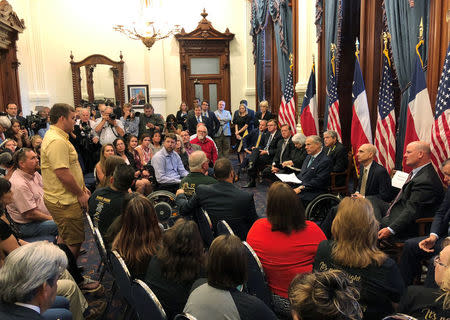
<point>354,250</point>
<point>241,121</point>
<point>106,151</point>
<point>431,303</point>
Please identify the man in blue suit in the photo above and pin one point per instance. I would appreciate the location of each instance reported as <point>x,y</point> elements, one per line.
<point>420,248</point>
<point>315,174</point>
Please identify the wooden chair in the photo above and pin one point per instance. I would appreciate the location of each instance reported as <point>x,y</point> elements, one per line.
<point>334,189</point>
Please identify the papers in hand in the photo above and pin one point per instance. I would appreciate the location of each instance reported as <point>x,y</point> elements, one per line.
<point>399,179</point>
<point>289,178</point>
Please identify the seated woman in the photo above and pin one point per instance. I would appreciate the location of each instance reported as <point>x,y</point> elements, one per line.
<point>179,261</point>
<point>110,165</point>
<point>328,295</point>
<point>36,142</point>
<point>179,148</point>
<point>156,142</point>
<point>355,251</point>
<point>18,134</point>
<point>139,234</point>
<point>142,183</point>
<point>99,172</point>
<point>285,242</point>
<point>9,145</point>
<point>263,113</point>
<point>221,296</point>
<point>144,149</point>
<point>171,125</point>
<point>431,303</point>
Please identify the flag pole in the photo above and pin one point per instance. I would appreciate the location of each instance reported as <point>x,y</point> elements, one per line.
<point>353,153</point>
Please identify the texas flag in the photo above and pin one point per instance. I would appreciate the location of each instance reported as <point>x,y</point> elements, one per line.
<point>419,119</point>
<point>361,129</point>
<point>309,114</point>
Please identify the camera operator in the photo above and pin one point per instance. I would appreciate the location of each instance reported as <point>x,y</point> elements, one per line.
<point>86,141</point>
<point>130,120</point>
<point>108,127</point>
<point>39,124</point>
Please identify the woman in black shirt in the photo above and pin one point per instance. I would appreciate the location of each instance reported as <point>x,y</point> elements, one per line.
<point>355,251</point>
<point>178,262</point>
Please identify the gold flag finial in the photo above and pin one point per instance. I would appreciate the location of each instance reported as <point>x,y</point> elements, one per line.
<point>357,48</point>
<point>421,29</point>
<point>291,59</point>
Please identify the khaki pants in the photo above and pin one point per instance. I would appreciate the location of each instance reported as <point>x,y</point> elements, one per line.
<point>68,288</point>
<point>223,146</point>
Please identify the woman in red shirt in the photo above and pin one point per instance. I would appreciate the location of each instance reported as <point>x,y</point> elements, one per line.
<point>285,242</point>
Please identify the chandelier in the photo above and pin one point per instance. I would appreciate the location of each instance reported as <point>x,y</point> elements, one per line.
<point>151,25</point>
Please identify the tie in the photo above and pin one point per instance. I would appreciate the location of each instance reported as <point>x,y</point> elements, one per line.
<point>259,139</point>
<point>283,147</point>
<point>310,162</point>
<point>268,143</point>
<point>398,195</point>
<point>198,120</point>
<point>205,114</point>
<point>363,182</point>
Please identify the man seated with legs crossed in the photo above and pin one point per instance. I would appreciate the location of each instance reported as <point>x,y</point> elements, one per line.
<point>28,210</point>
<point>417,249</point>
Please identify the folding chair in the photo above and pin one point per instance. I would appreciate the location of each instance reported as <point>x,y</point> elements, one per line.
<point>145,303</point>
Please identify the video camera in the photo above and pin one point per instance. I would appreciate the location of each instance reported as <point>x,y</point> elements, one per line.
<point>36,122</point>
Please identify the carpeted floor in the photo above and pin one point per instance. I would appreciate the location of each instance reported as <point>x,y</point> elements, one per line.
<point>91,259</point>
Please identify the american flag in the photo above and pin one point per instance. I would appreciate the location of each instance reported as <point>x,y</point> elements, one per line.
<point>286,114</point>
<point>440,131</point>
<point>385,132</point>
<point>333,121</point>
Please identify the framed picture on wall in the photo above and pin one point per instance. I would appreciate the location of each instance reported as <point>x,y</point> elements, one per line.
<point>138,94</point>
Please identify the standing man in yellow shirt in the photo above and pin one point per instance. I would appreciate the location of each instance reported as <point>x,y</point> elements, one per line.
<point>65,194</point>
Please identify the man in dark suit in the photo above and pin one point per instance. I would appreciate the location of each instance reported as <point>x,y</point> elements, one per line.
<point>194,119</point>
<point>420,248</point>
<point>374,180</point>
<point>29,293</point>
<point>266,154</point>
<point>419,197</point>
<point>222,201</point>
<point>337,154</point>
<point>253,143</point>
<point>211,121</point>
<point>315,172</point>
<point>12,113</point>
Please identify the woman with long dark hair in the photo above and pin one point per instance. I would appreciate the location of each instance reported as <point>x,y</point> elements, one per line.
<point>139,234</point>
<point>285,242</point>
<point>179,261</point>
<point>18,134</point>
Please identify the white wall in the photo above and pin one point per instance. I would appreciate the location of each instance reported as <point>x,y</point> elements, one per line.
<point>54,28</point>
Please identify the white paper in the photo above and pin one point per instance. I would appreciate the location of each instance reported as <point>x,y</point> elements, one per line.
<point>288,178</point>
<point>399,179</point>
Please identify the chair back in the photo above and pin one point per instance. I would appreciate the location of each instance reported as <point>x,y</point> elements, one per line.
<point>205,227</point>
<point>256,284</point>
<point>100,245</point>
<point>184,316</point>
<point>145,302</point>
<point>122,277</point>
<point>89,220</point>
<point>224,228</point>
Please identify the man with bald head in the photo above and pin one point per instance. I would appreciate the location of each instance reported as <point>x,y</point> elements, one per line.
<point>419,197</point>
<point>198,164</point>
<point>374,180</point>
<point>207,145</point>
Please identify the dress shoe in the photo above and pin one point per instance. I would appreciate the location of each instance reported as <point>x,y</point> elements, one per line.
<point>251,184</point>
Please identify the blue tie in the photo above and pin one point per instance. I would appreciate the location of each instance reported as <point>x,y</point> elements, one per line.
<point>310,162</point>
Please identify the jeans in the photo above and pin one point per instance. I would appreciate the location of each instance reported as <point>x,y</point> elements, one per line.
<point>38,228</point>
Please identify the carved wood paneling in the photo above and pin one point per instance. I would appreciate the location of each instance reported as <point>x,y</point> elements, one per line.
<point>89,63</point>
<point>205,41</point>
<point>10,27</point>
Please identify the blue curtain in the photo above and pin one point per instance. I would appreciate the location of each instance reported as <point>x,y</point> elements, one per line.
<point>331,36</point>
<point>403,23</point>
<point>281,15</point>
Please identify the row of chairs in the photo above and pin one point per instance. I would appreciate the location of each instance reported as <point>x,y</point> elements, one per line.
<point>141,302</point>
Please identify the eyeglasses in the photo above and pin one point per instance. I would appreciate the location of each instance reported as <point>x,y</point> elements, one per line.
<point>437,261</point>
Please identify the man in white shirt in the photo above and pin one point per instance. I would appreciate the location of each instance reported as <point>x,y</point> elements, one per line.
<point>108,127</point>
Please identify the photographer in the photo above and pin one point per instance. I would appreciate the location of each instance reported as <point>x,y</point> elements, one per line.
<point>18,133</point>
<point>149,121</point>
<point>107,127</point>
<point>130,120</point>
<point>86,141</point>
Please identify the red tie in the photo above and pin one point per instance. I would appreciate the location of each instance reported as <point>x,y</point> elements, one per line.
<point>399,194</point>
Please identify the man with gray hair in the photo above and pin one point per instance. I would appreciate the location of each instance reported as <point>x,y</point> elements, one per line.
<point>315,174</point>
<point>28,280</point>
<point>374,180</point>
<point>199,164</point>
<point>337,154</point>
<point>5,124</point>
<point>108,127</point>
